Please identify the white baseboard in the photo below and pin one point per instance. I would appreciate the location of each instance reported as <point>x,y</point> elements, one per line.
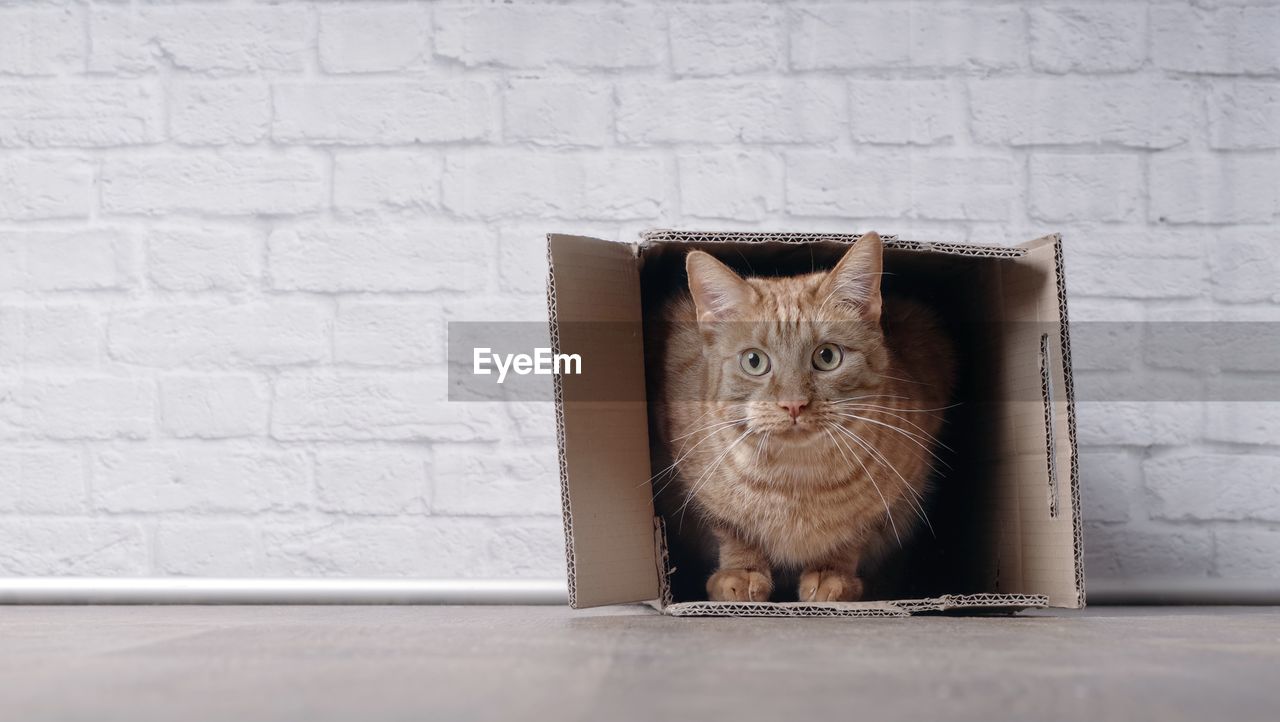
<point>186,590</point>
<point>1183,591</point>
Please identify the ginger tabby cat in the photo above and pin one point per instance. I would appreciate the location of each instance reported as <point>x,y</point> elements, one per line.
<point>800,414</point>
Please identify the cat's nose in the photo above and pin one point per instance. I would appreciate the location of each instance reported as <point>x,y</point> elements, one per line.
<point>794,407</point>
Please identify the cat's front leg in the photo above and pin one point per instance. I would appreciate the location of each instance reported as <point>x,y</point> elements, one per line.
<point>834,580</point>
<point>744,574</point>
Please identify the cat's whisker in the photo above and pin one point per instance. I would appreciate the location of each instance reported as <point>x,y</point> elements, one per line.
<point>683,454</point>
<point>710,433</point>
<point>905,381</point>
<point>914,425</point>
<point>760,448</point>
<point>675,473</point>
<point>903,410</point>
<point>912,410</point>
<point>919,508</point>
<point>714,465</point>
<point>909,435</point>
<point>871,449</point>
<point>714,407</point>
<point>922,433</point>
<point>918,436</point>
<point>714,425</point>
<point>893,525</point>
<point>673,468</point>
<point>866,396</point>
<point>707,475</point>
<point>712,410</point>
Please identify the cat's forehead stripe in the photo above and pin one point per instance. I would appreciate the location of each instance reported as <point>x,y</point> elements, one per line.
<point>786,310</point>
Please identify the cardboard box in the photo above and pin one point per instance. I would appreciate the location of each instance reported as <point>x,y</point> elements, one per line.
<point>1011,535</point>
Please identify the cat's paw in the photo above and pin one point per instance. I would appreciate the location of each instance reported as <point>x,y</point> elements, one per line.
<point>739,585</point>
<point>829,585</point>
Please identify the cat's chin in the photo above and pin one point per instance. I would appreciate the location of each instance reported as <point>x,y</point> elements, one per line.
<point>795,433</point>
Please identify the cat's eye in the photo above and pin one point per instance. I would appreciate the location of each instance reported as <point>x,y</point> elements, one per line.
<point>827,357</point>
<point>754,361</point>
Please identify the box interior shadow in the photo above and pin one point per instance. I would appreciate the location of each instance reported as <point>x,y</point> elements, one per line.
<point>955,552</point>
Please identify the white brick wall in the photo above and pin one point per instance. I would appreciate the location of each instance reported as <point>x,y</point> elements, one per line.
<point>230,235</point>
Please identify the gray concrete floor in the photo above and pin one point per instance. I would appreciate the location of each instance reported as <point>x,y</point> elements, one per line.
<point>628,663</point>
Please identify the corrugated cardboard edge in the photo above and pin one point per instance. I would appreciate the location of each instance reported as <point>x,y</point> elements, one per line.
<point>890,241</point>
<point>1069,390</point>
<point>553,324</point>
<point>901,608</point>
<point>663,556</point>
<point>1050,432</point>
<point>1069,398</point>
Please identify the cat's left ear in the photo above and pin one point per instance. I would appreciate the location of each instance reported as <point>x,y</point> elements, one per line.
<point>855,280</point>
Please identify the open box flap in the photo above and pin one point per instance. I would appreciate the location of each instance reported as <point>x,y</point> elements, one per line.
<point>593,297</point>
<point>1038,476</point>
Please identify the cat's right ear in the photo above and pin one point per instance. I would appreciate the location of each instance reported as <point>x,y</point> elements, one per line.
<point>718,293</point>
<point>855,281</point>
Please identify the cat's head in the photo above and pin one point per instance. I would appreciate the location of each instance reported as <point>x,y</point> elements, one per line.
<point>783,352</point>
